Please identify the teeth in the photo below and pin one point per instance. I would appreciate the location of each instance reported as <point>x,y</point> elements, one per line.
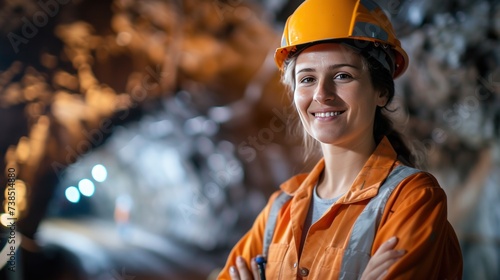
<point>328,114</point>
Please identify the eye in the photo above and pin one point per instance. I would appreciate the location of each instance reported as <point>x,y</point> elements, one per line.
<point>343,76</point>
<point>306,80</point>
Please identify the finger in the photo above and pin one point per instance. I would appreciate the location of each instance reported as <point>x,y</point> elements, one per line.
<point>382,276</point>
<point>233,272</point>
<point>381,265</point>
<point>378,271</point>
<point>385,252</point>
<point>388,245</point>
<point>255,269</point>
<point>243,269</point>
<point>380,260</point>
<point>383,259</point>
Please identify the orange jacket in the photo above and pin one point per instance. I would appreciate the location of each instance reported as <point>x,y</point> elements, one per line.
<point>415,213</point>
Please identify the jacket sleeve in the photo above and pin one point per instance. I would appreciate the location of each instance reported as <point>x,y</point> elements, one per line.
<point>250,245</point>
<point>417,214</point>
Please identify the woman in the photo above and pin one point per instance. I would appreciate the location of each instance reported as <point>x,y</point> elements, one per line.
<point>362,212</point>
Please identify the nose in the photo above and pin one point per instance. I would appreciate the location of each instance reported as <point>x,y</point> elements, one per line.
<point>325,92</point>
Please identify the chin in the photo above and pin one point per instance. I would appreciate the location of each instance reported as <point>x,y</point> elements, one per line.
<point>328,139</point>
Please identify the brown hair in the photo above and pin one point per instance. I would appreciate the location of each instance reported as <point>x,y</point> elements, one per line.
<point>382,81</point>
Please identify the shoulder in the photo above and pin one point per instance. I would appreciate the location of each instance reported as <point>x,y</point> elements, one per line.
<point>417,202</point>
<point>420,180</point>
<point>421,188</point>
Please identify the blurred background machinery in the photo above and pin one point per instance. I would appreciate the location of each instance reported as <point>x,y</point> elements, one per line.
<point>145,136</point>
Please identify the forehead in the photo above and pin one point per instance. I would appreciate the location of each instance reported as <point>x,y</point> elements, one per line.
<point>327,54</point>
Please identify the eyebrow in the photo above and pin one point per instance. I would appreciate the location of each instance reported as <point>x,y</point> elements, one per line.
<point>331,67</point>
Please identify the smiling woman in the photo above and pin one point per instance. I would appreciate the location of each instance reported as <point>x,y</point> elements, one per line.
<point>334,96</point>
<point>364,211</point>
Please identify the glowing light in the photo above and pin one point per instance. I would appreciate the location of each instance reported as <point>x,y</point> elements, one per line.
<point>123,39</point>
<point>86,187</point>
<point>6,219</point>
<point>72,194</point>
<point>99,173</point>
<point>23,149</point>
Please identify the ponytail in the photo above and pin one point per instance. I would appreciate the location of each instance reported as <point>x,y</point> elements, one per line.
<point>384,127</point>
<point>382,80</point>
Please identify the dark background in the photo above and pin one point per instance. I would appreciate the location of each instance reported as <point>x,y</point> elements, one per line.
<point>180,102</point>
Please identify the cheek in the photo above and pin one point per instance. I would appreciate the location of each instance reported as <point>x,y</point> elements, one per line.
<point>299,100</point>
<point>301,105</point>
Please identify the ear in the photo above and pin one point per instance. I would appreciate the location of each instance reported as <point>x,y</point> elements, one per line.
<point>382,98</point>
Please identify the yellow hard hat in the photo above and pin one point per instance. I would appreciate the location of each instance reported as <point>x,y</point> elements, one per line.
<point>323,20</point>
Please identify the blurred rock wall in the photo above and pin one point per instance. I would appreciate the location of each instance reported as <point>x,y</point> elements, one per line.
<point>190,87</point>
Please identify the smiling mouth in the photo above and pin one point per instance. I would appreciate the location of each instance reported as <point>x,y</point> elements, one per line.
<point>328,114</point>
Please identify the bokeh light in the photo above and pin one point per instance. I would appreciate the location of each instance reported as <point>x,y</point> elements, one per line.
<point>99,173</point>
<point>86,187</point>
<point>72,194</point>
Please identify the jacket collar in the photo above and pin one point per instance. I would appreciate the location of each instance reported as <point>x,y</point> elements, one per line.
<point>366,184</point>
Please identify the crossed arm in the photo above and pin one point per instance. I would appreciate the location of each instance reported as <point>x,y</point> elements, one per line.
<point>376,269</point>
<point>416,213</point>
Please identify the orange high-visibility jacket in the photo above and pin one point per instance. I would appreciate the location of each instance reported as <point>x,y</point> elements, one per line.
<point>416,212</point>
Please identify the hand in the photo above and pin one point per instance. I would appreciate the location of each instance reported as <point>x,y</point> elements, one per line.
<point>241,271</point>
<point>382,260</point>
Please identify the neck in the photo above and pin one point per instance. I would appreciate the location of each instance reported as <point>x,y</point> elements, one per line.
<point>342,166</point>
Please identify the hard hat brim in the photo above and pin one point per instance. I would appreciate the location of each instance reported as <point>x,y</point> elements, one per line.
<point>400,56</point>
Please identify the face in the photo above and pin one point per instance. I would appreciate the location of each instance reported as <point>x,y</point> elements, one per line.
<point>334,95</point>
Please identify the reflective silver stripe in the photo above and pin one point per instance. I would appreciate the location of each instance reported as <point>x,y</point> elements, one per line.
<point>272,218</point>
<point>357,254</point>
